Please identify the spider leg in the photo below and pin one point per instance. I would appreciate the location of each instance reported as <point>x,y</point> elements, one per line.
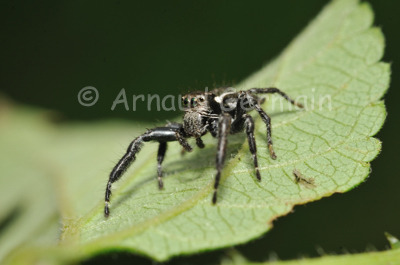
<point>199,142</point>
<point>223,131</point>
<point>272,90</point>
<point>249,122</point>
<point>162,148</point>
<point>162,135</point>
<point>267,120</point>
<point>264,116</point>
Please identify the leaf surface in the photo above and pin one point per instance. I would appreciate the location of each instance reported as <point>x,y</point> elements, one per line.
<point>391,256</point>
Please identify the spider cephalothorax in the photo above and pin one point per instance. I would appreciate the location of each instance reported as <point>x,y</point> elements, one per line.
<point>220,112</point>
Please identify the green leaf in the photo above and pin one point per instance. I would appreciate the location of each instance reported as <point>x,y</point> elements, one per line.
<point>370,258</point>
<point>393,241</point>
<point>332,67</point>
<point>28,212</point>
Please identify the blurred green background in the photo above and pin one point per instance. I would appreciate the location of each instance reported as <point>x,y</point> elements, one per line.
<point>50,50</point>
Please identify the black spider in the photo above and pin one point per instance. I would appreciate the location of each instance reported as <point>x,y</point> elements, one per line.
<point>220,112</point>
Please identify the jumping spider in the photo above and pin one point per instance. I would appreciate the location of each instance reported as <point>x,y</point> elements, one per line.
<point>220,112</point>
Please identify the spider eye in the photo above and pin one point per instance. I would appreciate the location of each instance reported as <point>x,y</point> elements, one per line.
<point>193,102</point>
<point>201,99</point>
<point>185,102</point>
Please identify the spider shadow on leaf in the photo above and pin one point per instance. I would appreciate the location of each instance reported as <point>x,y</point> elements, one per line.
<point>201,159</point>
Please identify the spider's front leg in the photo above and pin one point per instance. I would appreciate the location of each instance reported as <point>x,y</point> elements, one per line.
<point>172,132</point>
<point>162,148</point>
<point>224,125</point>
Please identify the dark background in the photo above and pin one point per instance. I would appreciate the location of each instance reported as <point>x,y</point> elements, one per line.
<point>49,50</point>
